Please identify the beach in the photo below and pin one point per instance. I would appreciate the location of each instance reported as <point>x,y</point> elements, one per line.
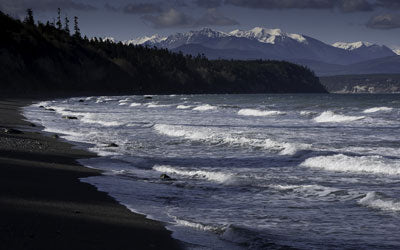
<point>44,205</point>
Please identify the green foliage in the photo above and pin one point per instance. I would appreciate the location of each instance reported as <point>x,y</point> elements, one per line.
<point>57,61</point>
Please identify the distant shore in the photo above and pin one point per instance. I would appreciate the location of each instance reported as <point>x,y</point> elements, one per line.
<point>43,205</point>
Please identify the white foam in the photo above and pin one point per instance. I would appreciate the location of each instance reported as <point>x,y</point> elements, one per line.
<point>123,103</point>
<point>357,164</point>
<point>208,135</point>
<point>92,119</point>
<point>373,200</point>
<point>377,109</point>
<point>124,100</point>
<point>183,107</point>
<point>307,112</point>
<point>256,112</point>
<point>135,104</point>
<point>205,107</point>
<point>152,105</point>
<point>198,226</point>
<point>329,116</point>
<point>219,177</point>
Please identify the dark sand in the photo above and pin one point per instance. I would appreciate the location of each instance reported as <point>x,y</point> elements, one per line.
<point>43,205</point>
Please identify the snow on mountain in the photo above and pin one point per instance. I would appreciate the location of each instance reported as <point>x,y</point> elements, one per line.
<point>352,46</point>
<point>397,51</point>
<point>146,39</point>
<point>108,39</point>
<point>267,35</point>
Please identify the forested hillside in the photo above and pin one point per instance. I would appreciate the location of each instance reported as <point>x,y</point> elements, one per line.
<point>48,58</point>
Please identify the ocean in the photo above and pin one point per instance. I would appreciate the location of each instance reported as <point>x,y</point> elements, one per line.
<point>317,171</point>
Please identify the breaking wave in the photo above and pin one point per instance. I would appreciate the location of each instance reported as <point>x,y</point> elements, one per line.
<point>219,177</point>
<point>376,201</point>
<point>207,135</point>
<point>357,164</point>
<point>205,107</point>
<point>329,116</point>
<point>183,107</point>
<point>377,109</point>
<point>256,112</point>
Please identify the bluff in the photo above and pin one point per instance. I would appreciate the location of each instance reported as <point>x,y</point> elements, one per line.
<point>43,59</point>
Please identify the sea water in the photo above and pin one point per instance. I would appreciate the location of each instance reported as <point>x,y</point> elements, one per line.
<point>247,171</point>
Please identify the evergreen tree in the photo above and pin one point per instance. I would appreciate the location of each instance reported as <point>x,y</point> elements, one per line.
<point>76,28</point>
<point>29,17</point>
<point>59,25</point>
<point>66,27</point>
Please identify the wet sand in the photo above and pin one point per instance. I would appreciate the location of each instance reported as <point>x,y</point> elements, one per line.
<point>43,205</point>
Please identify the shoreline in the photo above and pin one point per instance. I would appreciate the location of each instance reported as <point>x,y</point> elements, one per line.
<point>44,205</point>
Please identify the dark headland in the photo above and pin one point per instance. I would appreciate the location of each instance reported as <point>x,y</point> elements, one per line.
<point>43,205</point>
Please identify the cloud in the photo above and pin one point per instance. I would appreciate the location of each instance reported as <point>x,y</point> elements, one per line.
<point>355,5</point>
<point>208,3</point>
<point>142,8</point>
<point>389,4</point>
<point>385,22</point>
<point>343,5</point>
<point>213,17</point>
<point>168,19</point>
<point>18,7</point>
<point>283,4</point>
<point>173,18</point>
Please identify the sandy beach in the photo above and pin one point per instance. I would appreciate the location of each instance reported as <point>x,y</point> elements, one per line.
<point>43,205</point>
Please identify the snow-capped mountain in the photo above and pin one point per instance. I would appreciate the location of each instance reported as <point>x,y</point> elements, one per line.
<point>267,35</point>
<point>146,39</point>
<point>263,43</point>
<point>397,51</point>
<point>352,46</point>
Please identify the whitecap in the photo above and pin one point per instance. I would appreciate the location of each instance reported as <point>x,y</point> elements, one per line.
<point>219,177</point>
<point>205,107</point>
<point>256,112</point>
<point>356,164</point>
<point>183,107</point>
<point>377,109</point>
<point>208,135</point>
<point>134,104</point>
<point>376,201</point>
<point>329,116</point>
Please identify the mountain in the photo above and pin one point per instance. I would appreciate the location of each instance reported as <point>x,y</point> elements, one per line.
<point>43,60</point>
<point>262,43</point>
<point>365,50</point>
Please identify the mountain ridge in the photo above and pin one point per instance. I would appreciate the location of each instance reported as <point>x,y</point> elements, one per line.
<point>271,44</point>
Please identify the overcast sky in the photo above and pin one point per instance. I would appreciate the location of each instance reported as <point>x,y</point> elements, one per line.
<point>330,21</point>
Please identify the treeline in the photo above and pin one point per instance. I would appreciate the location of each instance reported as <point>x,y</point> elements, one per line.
<point>48,57</point>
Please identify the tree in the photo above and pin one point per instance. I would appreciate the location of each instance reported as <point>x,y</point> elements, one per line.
<point>66,27</point>
<point>77,33</point>
<point>29,17</point>
<point>59,25</point>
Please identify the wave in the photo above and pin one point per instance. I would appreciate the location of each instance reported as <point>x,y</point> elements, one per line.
<point>329,116</point>
<point>153,105</point>
<point>207,135</point>
<point>305,112</point>
<point>183,107</point>
<point>377,109</point>
<point>256,112</point>
<point>123,103</point>
<point>90,120</point>
<point>134,104</point>
<point>376,201</point>
<point>205,107</point>
<point>356,164</point>
<point>219,177</point>
<point>199,226</point>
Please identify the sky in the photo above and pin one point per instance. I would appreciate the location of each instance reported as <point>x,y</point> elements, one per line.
<point>376,21</point>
